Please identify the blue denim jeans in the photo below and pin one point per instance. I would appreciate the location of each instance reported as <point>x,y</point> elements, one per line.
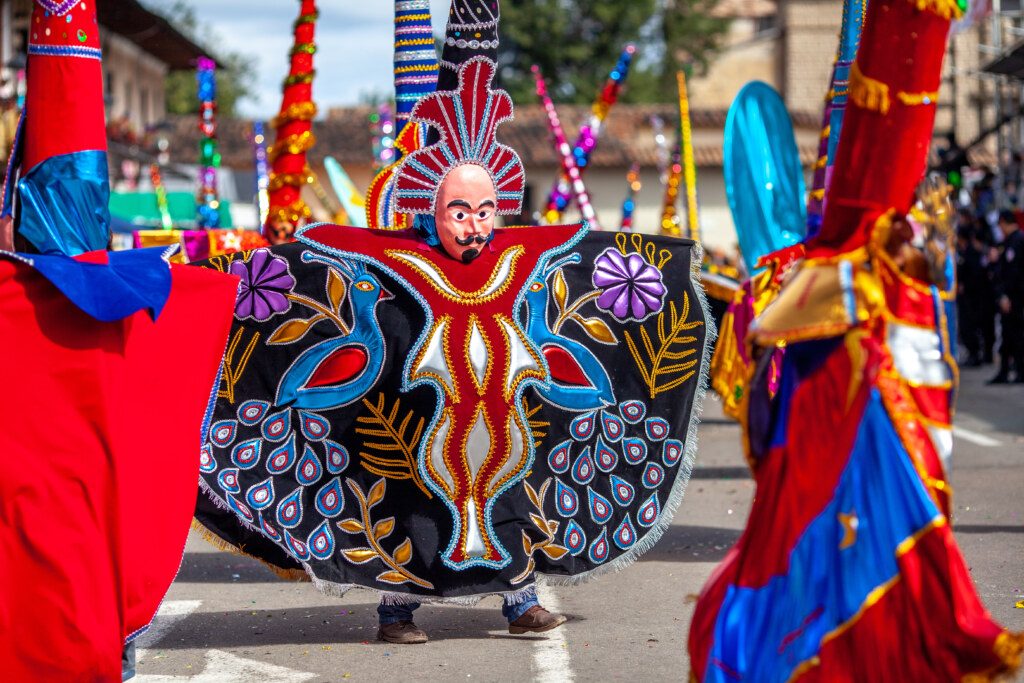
<point>390,614</point>
<point>128,661</point>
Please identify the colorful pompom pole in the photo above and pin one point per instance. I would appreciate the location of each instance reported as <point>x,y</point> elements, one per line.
<point>562,192</point>
<point>569,167</point>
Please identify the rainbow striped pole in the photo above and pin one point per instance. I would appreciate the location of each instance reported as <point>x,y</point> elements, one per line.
<point>561,192</point>
<point>157,179</point>
<point>208,201</point>
<point>569,167</point>
<point>259,143</point>
<point>835,110</point>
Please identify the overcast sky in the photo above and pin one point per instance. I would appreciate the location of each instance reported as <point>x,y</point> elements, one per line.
<point>354,38</point>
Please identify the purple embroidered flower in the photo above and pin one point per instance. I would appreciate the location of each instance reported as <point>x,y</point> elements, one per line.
<point>265,282</point>
<point>631,287</point>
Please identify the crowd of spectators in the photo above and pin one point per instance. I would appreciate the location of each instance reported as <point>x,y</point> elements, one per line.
<point>990,276</point>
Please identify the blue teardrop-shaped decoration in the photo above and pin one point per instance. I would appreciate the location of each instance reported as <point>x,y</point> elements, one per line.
<point>600,507</point>
<point>289,510</point>
<point>207,463</point>
<point>566,500</point>
<point>622,491</point>
<point>297,548</point>
<point>672,452</point>
<point>574,539</point>
<point>246,454</point>
<point>598,552</point>
<point>654,475</point>
<point>269,531</point>
<point>632,411</point>
<point>583,470</point>
<point>228,480</point>
<point>321,542</point>
<point>656,428</point>
<point>260,496</point>
<point>558,459</point>
<point>313,427</point>
<point>649,511</point>
<point>277,426</point>
<point>309,470</point>
<point>613,427</point>
<point>582,427</point>
<point>337,458</point>
<point>625,535</point>
<point>223,433</point>
<point>330,500</point>
<point>607,458</point>
<point>240,509</point>
<point>251,412</point>
<point>634,450</point>
<point>283,457</point>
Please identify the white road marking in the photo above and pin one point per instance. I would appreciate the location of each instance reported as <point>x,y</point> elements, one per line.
<point>975,438</point>
<point>551,655</point>
<point>170,613</point>
<point>224,667</point>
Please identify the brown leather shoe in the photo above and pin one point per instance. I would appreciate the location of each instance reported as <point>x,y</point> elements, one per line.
<point>536,620</point>
<point>402,633</point>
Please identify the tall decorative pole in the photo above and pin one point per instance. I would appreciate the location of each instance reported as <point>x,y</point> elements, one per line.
<point>629,205</point>
<point>562,192</point>
<point>294,127</point>
<point>259,144</point>
<point>416,71</point>
<point>208,199</point>
<point>835,109</point>
<point>689,167</point>
<point>569,167</point>
<point>383,126</point>
<point>157,180</point>
<point>670,221</point>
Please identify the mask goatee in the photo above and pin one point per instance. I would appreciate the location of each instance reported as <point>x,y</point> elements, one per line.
<point>470,255</point>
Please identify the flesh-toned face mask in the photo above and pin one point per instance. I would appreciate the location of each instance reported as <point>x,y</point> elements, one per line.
<point>466,205</point>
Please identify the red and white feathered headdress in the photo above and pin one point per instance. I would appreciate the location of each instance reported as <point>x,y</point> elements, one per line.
<point>466,121</point>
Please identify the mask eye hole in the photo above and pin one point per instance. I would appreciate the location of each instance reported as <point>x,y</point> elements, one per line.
<point>460,216</point>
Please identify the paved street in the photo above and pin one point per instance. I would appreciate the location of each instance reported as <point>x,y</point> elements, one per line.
<point>227,618</point>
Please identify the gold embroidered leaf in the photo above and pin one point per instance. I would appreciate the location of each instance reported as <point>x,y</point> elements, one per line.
<point>531,494</point>
<point>294,330</point>
<point>560,290</point>
<point>596,329</point>
<point>383,528</point>
<point>376,494</point>
<point>555,552</point>
<point>352,526</point>
<point>552,527</point>
<point>527,544</point>
<point>335,289</point>
<point>359,555</point>
<point>539,522</point>
<point>392,577</point>
<point>403,553</point>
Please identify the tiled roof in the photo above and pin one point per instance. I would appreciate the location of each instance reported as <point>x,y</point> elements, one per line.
<point>746,9</point>
<point>628,136</point>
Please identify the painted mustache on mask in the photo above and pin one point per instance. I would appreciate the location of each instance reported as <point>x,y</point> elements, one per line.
<point>470,240</point>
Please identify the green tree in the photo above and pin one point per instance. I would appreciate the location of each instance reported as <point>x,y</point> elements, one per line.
<point>235,80</point>
<point>576,42</point>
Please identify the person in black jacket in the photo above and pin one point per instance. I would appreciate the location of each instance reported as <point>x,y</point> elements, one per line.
<point>1009,291</point>
<point>974,295</point>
